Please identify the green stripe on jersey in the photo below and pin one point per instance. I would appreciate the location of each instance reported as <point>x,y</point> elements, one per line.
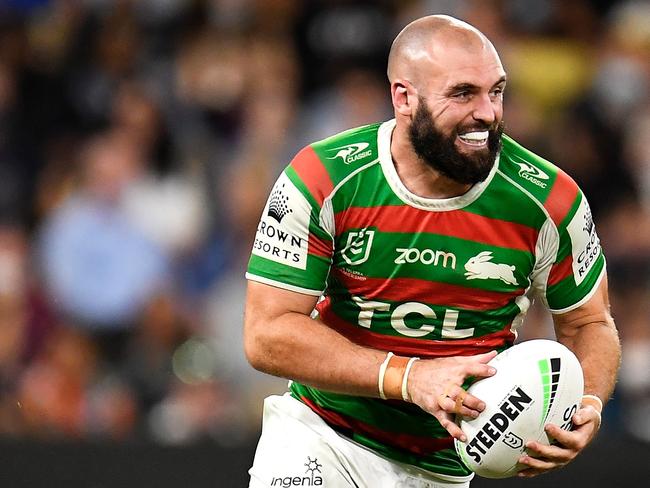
<point>438,258</point>
<point>526,212</point>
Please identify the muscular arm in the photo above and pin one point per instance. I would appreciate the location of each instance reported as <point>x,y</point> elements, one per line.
<point>281,339</point>
<point>589,331</point>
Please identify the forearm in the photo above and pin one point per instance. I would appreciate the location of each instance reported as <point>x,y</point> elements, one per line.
<point>597,347</point>
<point>294,346</point>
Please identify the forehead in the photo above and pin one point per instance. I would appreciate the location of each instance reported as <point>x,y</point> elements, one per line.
<point>455,65</point>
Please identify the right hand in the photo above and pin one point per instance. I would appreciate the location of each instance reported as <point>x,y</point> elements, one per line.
<point>435,385</point>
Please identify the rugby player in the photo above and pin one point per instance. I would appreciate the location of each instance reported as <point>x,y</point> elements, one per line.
<point>394,260</point>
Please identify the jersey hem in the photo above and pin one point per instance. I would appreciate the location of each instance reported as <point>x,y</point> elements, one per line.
<point>584,299</point>
<point>284,286</point>
<point>411,468</point>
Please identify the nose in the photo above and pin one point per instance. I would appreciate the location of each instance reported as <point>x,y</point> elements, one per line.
<point>484,109</point>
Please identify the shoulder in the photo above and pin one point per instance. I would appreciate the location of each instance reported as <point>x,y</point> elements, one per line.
<point>323,165</point>
<point>551,187</point>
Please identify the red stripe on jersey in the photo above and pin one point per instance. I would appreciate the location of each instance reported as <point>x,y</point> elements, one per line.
<point>419,445</point>
<point>561,197</point>
<point>319,247</point>
<point>561,270</point>
<point>454,223</point>
<point>313,174</point>
<point>407,346</point>
<point>426,291</point>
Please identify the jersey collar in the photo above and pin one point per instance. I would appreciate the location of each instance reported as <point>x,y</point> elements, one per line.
<point>439,204</point>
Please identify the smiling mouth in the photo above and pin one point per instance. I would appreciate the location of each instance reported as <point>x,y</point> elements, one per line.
<point>475,138</point>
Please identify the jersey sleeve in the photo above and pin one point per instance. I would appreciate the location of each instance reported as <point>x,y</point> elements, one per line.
<point>293,244</point>
<point>578,266</point>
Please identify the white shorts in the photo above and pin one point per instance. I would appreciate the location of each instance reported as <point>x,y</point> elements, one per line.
<point>297,448</point>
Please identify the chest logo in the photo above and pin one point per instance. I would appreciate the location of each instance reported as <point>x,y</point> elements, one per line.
<point>357,247</point>
<point>481,267</point>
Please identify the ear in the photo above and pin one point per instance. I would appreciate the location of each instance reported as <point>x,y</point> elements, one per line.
<point>404,96</point>
<point>484,256</point>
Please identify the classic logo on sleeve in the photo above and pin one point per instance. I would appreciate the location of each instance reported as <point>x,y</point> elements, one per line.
<point>352,152</point>
<point>532,174</point>
<point>283,232</point>
<point>585,244</point>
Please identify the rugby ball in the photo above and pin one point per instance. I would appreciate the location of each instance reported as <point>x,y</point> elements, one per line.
<point>537,382</point>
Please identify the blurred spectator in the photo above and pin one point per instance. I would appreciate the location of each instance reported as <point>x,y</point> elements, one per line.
<point>99,269</point>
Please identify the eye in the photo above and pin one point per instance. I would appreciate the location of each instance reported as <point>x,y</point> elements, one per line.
<point>462,95</point>
<point>497,92</point>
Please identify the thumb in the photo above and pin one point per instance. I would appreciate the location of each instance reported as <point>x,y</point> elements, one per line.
<point>485,357</point>
<point>585,414</point>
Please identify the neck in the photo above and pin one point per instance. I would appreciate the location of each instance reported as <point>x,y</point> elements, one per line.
<point>416,175</point>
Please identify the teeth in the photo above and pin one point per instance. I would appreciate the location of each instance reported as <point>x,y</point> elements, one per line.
<point>474,136</point>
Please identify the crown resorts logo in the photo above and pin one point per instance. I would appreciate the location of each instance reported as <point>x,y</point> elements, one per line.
<point>278,207</point>
<point>311,479</point>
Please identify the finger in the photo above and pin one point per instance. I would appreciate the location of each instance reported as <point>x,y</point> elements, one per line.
<point>474,403</point>
<point>571,439</point>
<point>539,464</point>
<point>555,454</point>
<point>450,426</point>
<point>483,358</point>
<point>456,400</point>
<point>479,370</point>
<point>529,473</point>
<point>586,414</point>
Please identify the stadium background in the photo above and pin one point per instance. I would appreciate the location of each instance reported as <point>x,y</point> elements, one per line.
<point>138,141</point>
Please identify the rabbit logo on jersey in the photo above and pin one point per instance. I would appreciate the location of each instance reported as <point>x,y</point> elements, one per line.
<point>282,235</point>
<point>585,244</point>
<point>481,267</point>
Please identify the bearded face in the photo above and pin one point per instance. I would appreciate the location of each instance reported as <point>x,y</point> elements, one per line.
<point>439,150</point>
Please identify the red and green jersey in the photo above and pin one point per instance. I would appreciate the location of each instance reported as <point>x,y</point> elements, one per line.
<point>417,276</point>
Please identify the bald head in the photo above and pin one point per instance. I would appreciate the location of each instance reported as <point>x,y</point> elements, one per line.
<point>424,39</point>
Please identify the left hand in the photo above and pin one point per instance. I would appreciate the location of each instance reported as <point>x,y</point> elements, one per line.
<point>541,458</point>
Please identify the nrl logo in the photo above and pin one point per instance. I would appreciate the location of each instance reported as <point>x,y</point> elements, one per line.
<point>532,174</point>
<point>481,267</point>
<point>357,247</point>
<point>352,152</point>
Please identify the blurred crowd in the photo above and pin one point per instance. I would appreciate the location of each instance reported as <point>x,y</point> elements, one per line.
<point>138,142</point>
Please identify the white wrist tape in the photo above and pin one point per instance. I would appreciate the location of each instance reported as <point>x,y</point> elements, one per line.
<point>382,373</point>
<point>594,398</point>
<point>592,401</point>
<point>405,379</point>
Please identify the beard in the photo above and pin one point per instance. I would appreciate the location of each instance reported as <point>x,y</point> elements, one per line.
<point>440,152</point>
